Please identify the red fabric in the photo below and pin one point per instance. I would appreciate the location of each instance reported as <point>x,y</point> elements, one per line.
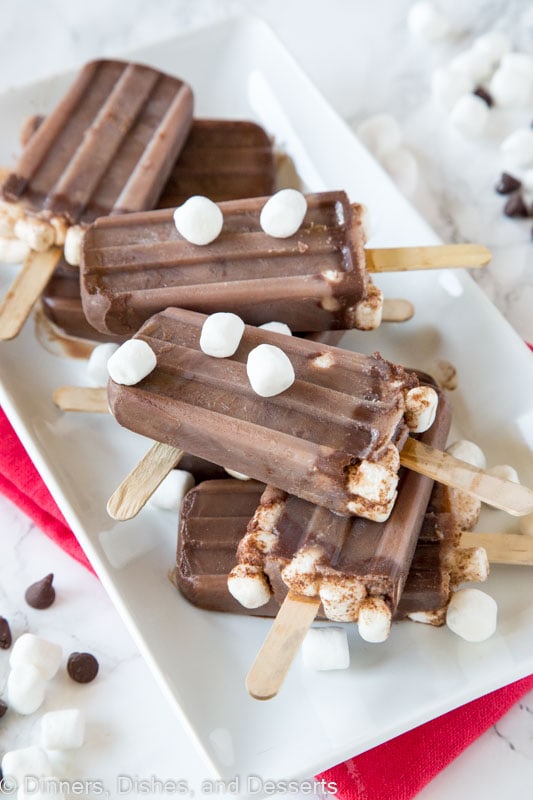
<point>396,770</point>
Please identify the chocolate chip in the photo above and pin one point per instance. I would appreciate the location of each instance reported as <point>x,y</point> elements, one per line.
<point>515,207</point>
<point>507,184</point>
<point>486,96</point>
<point>5,634</point>
<point>41,594</point>
<point>82,667</point>
<point>3,708</point>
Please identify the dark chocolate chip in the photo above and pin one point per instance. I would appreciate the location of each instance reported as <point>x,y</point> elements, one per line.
<point>486,96</point>
<point>515,207</point>
<point>5,634</point>
<point>507,184</point>
<point>41,594</point>
<point>3,708</point>
<point>82,667</point>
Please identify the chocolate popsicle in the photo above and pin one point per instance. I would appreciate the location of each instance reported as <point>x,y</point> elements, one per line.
<point>331,438</point>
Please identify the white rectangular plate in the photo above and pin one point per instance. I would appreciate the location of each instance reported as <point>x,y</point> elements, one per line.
<point>239,69</point>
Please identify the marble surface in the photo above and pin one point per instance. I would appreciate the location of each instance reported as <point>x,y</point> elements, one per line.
<point>344,46</point>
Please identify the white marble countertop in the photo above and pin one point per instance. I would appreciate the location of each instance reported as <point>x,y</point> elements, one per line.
<point>363,59</point>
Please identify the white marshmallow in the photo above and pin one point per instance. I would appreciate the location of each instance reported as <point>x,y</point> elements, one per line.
<point>277,327</point>
<point>40,653</point>
<point>25,688</point>
<point>470,115</point>
<point>525,524</point>
<point>402,166</point>
<point>172,489</point>
<point>469,452</point>
<point>504,471</point>
<point>472,615</point>
<point>448,85</point>
<point>36,233</point>
<point>511,88</point>
<point>475,64</point>
<point>240,476</point>
<point>63,730</point>
<point>494,44</point>
<point>521,62</point>
<point>221,334</point>
<point>283,213</point>
<point>426,22</point>
<point>12,251</point>
<point>421,408</point>
<point>517,149</point>
<point>326,648</point>
<point>25,761</point>
<point>72,248</point>
<point>248,585</point>
<point>97,373</point>
<point>269,370</point>
<point>374,620</point>
<point>380,133</point>
<point>132,362</point>
<point>199,220</point>
<point>527,181</point>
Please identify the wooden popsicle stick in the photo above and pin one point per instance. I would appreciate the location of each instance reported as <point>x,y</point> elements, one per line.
<point>502,548</point>
<point>441,256</point>
<point>137,487</point>
<point>24,291</point>
<point>444,468</point>
<point>281,645</point>
<point>395,309</point>
<point>81,398</point>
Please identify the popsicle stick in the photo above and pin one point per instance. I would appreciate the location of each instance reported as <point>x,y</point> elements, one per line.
<point>502,548</point>
<point>444,468</point>
<point>137,487</point>
<point>81,398</point>
<point>25,289</point>
<point>441,256</point>
<point>397,310</point>
<point>281,645</point>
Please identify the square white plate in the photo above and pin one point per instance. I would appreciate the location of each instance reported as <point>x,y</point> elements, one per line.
<point>239,69</point>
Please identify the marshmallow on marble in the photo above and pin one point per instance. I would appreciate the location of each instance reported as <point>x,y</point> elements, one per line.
<point>493,44</point>
<point>277,327</point>
<point>172,489</point>
<point>517,148</point>
<point>374,620</point>
<point>426,22</point>
<point>34,761</point>
<point>472,615</point>
<point>97,372</point>
<point>468,451</point>
<point>40,653</point>
<point>283,213</point>
<point>511,88</point>
<point>326,649</point>
<point>25,688</point>
<point>249,586</point>
<point>132,362</point>
<point>269,370</point>
<point>470,115</point>
<point>199,220</point>
<point>520,62</point>
<point>380,133</point>
<point>221,334</point>
<point>420,408</point>
<point>448,86</point>
<point>402,166</point>
<point>475,64</point>
<point>12,251</point>
<point>63,730</point>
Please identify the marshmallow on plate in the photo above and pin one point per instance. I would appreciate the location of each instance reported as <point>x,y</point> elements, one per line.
<point>221,334</point>
<point>172,489</point>
<point>468,451</point>
<point>25,689</point>
<point>472,615</point>
<point>494,44</point>
<point>132,362</point>
<point>277,327</point>
<point>470,115</point>
<point>269,370</point>
<point>97,372</point>
<point>380,133</point>
<point>517,148</point>
<point>511,87</point>
<point>40,653</point>
<point>448,86</point>
<point>283,213</point>
<point>427,22</point>
<point>326,648</point>
<point>17,764</point>
<point>402,166</point>
<point>63,730</point>
<point>199,220</point>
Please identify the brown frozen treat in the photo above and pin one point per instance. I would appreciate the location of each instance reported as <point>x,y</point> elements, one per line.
<point>41,594</point>
<point>331,438</point>
<point>315,280</point>
<point>5,634</point>
<point>108,146</point>
<point>201,469</point>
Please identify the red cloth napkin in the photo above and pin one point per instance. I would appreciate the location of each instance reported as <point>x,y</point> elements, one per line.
<point>396,770</point>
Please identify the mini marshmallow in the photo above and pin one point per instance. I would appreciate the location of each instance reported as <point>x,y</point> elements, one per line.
<point>36,233</point>
<point>374,620</point>
<point>221,334</point>
<point>326,649</point>
<point>469,452</point>
<point>25,689</point>
<point>249,586</point>
<point>40,653</point>
<point>172,489</point>
<point>494,44</point>
<point>199,220</point>
<point>470,115</point>
<point>240,476</point>
<point>17,764</point>
<point>525,524</point>
<point>277,327</point>
<point>72,248</point>
<point>283,213</point>
<point>63,730</point>
<point>448,85</point>
<point>476,65</point>
<point>421,408</point>
<point>97,372</point>
<point>517,149</point>
<point>511,88</point>
<point>380,133</point>
<point>269,370</point>
<point>504,471</point>
<point>402,166</point>
<point>12,251</point>
<point>426,22</point>
<point>520,62</point>
<point>472,615</point>
<point>132,362</point>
